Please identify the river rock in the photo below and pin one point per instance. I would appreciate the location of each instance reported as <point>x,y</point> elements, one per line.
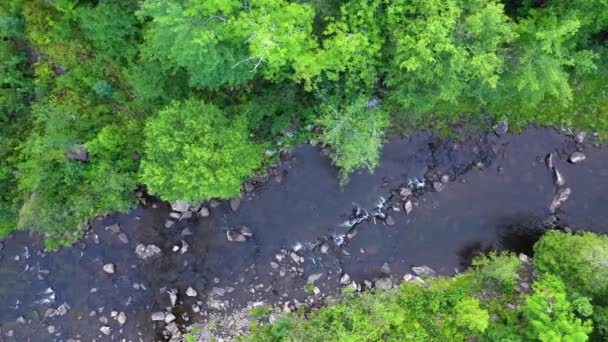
<point>180,206</point>
<point>383,283</point>
<point>558,178</point>
<point>501,128</point>
<point>390,221</point>
<point>235,203</point>
<point>438,186</point>
<point>424,271</point>
<point>408,277</point>
<point>249,187</point>
<point>313,277</point>
<point>577,157</point>
<point>145,252</point>
<point>344,279</point>
<point>172,296</point>
<point>408,206</point>
<point>158,316</point>
<point>121,318</point>
<point>405,192</point>
<point>560,197</point>
<point>297,258</point>
<point>549,161</point>
<point>78,152</point>
<point>234,236</point>
<point>169,223</point>
<point>324,248</point>
<point>190,292</point>
<point>109,268</point>
<point>169,318</point>
<point>204,212</point>
<point>580,137</point>
<point>105,330</point>
<point>51,329</point>
<point>246,231</point>
<point>445,178</point>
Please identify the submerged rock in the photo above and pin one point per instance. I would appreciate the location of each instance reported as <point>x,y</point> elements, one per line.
<point>438,186</point>
<point>577,157</point>
<point>560,197</point>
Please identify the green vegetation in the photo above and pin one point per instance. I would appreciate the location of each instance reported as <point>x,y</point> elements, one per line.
<point>180,98</point>
<point>487,303</point>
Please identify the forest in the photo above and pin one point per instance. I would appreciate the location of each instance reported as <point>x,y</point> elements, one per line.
<point>105,101</point>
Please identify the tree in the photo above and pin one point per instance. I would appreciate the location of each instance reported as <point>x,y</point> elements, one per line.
<point>194,152</point>
<point>542,59</point>
<point>443,50</point>
<point>551,316</point>
<point>584,266</point>
<point>224,43</point>
<point>355,133</point>
<point>469,316</point>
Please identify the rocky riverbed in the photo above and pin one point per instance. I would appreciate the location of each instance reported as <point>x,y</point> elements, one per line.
<point>296,238</point>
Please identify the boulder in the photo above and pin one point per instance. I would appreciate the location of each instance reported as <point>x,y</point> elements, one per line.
<point>580,137</point>
<point>180,206</point>
<point>383,283</point>
<point>190,292</point>
<point>549,160</point>
<point>204,212</point>
<point>246,231</point>
<point>235,203</point>
<point>560,197</point>
<point>438,186</point>
<point>501,128</point>
<point>121,318</point>
<point>424,271</point>
<point>577,157</point>
<point>169,318</point>
<point>78,152</point>
<point>146,252</point>
<point>109,268</point>
<point>408,206</point>
<point>344,279</point>
<point>158,316</point>
<point>105,330</point>
<point>234,236</point>
<point>558,178</point>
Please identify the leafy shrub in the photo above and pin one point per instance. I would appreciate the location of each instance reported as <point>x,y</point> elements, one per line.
<point>497,271</point>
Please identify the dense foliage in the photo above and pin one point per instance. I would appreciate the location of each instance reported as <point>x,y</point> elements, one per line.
<point>117,81</point>
<point>491,302</point>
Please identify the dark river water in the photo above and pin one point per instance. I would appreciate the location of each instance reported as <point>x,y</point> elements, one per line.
<point>497,198</point>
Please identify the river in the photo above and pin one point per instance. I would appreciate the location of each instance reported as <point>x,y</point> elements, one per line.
<point>497,197</point>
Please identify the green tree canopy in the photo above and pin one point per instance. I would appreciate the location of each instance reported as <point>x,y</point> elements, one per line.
<point>443,50</point>
<point>194,152</point>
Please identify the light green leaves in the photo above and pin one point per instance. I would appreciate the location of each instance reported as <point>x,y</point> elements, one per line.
<point>194,152</point>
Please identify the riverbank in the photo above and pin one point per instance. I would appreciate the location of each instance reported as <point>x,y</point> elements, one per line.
<point>493,192</point>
